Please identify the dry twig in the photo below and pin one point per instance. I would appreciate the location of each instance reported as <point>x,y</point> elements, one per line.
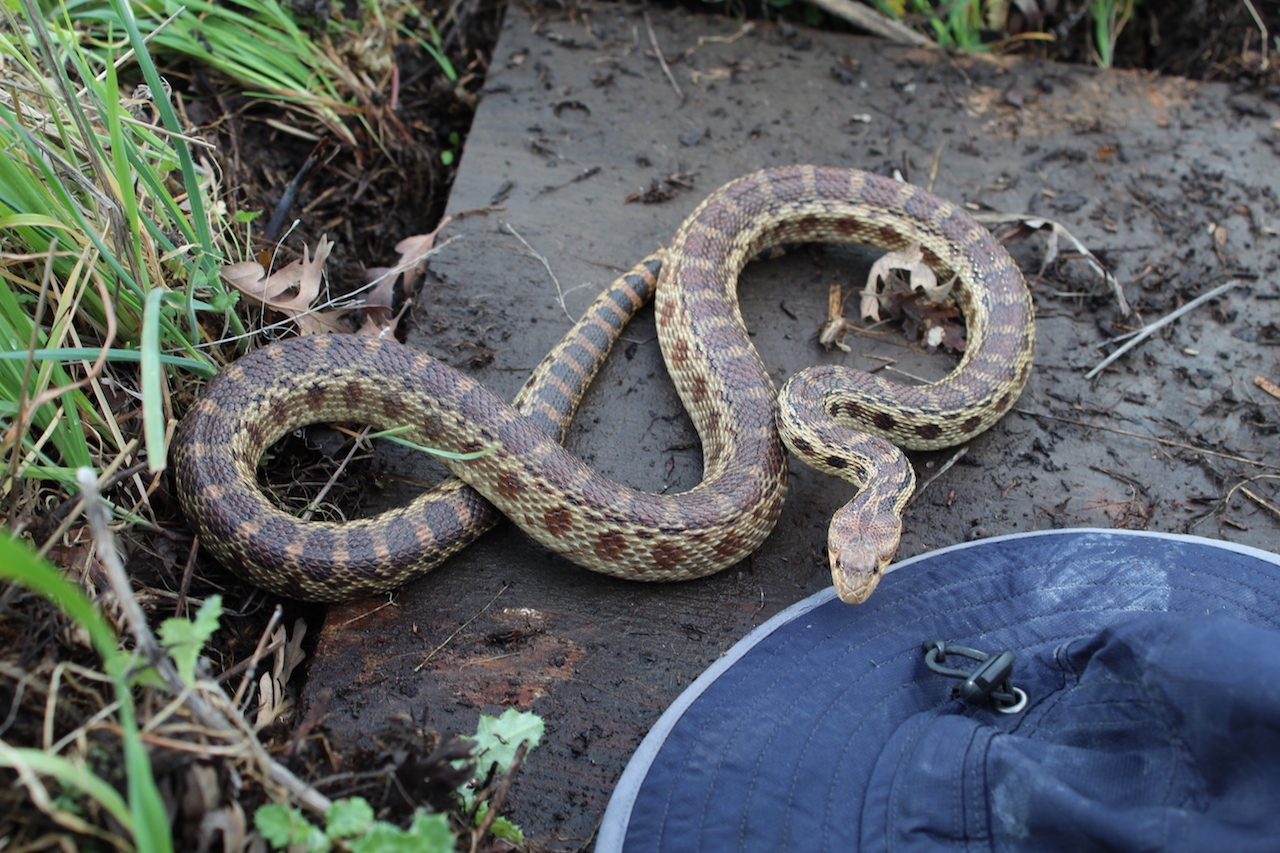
<point>542,259</point>
<point>873,22</point>
<point>1151,329</point>
<point>662,60</point>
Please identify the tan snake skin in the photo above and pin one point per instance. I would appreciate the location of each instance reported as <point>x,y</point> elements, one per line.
<point>826,414</point>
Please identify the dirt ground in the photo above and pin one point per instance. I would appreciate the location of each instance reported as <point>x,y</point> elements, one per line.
<point>1170,183</point>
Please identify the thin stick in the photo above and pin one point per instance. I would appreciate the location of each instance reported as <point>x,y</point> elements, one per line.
<point>499,796</point>
<point>1165,441</point>
<point>1263,502</point>
<point>95,510</point>
<point>545,263</point>
<point>662,60</point>
<point>263,641</point>
<point>1161,323</point>
<point>449,638</point>
<point>333,478</point>
<point>933,166</point>
<point>873,22</point>
<point>1262,27</point>
<point>223,723</point>
<point>1059,231</point>
<point>955,457</point>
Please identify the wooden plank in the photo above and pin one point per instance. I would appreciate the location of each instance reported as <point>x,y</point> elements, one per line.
<point>576,115</point>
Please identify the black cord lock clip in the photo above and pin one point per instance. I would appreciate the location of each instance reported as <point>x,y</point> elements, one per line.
<point>991,682</point>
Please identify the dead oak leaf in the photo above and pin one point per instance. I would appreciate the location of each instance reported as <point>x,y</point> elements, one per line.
<point>290,290</point>
<point>378,301</point>
<point>886,269</point>
<point>322,322</point>
<point>832,332</point>
<point>303,276</point>
<point>414,252</point>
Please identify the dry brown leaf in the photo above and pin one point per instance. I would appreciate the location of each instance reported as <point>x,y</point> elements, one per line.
<point>377,303</point>
<point>323,322</point>
<point>306,274</point>
<point>376,324</point>
<point>271,686</point>
<point>414,252</point>
<point>936,325</point>
<point>228,821</point>
<point>244,276</point>
<point>383,292</point>
<point>293,289</point>
<point>832,332</point>
<point>909,260</point>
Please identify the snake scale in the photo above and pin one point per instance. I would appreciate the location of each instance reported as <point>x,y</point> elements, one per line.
<point>840,420</point>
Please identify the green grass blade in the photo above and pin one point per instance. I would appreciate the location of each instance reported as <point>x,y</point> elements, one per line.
<point>71,776</point>
<point>153,416</point>
<point>147,814</point>
<point>19,565</point>
<point>207,262</point>
<point>202,369</point>
<point>122,172</point>
<point>151,821</point>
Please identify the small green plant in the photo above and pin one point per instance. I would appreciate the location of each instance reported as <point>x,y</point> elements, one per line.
<point>1109,18</point>
<point>185,638</point>
<point>350,824</point>
<point>448,155</point>
<point>957,24</point>
<point>500,744</point>
<point>431,45</point>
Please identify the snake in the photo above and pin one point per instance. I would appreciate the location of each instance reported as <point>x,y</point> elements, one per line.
<point>509,460</point>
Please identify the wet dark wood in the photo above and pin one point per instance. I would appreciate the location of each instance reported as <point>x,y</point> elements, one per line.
<point>576,116</point>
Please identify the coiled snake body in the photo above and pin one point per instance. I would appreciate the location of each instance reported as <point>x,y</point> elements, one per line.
<point>843,421</point>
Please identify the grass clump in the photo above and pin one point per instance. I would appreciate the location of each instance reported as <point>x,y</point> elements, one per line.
<point>114,224</point>
<point>330,77</point>
<point>114,232</point>
<point>976,25</point>
<point>111,228</point>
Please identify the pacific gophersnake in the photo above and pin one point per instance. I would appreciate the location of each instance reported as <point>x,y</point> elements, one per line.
<point>821,414</point>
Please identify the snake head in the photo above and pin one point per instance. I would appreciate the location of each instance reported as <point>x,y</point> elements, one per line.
<point>860,546</point>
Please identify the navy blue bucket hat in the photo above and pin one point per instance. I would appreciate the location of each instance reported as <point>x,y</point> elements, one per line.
<point>1139,710</point>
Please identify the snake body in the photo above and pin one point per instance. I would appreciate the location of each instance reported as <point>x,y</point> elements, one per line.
<point>842,421</point>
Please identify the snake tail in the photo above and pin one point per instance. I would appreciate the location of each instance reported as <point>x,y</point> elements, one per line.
<point>239,416</point>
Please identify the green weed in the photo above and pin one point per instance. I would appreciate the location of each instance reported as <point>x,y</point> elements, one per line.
<point>501,743</point>
<point>1109,18</point>
<point>141,811</point>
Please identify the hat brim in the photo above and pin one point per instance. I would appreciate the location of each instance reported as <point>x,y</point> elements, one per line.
<point>772,747</point>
